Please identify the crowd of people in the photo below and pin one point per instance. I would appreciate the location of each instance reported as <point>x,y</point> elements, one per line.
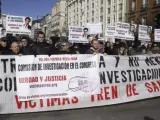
<point>23,46</point>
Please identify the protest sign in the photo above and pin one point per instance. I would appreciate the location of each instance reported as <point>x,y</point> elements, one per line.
<point>144,33</point>
<point>57,76</point>
<point>124,31</point>
<point>94,28</point>
<point>18,24</point>
<point>122,79</point>
<point>157,35</point>
<point>110,32</point>
<point>77,35</point>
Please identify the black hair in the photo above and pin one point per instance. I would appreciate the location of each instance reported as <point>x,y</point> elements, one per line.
<point>24,38</point>
<point>85,29</point>
<point>3,39</point>
<point>28,18</point>
<point>3,29</point>
<point>41,32</point>
<point>94,40</point>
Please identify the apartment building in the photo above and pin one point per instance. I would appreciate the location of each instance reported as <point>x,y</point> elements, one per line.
<point>58,17</point>
<point>81,12</point>
<point>143,11</point>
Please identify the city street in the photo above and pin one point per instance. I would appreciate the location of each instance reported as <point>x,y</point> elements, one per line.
<point>132,111</point>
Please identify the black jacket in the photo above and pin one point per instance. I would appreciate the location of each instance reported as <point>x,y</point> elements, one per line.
<point>4,50</point>
<point>26,50</point>
<point>40,48</point>
<point>92,51</point>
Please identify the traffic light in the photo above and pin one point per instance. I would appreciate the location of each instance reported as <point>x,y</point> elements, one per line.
<point>157,21</point>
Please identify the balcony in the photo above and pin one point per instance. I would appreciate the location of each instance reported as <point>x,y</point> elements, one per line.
<point>144,7</point>
<point>156,5</point>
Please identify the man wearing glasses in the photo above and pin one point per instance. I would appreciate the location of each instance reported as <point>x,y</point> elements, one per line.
<point>40,47</point>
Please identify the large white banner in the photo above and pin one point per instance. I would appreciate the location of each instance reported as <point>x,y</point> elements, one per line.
<point>144,32</point>
<point>122,79</point>
<point>157,35</point>
<point>124,31</point>
<point>18,24</point>
<point>78,34</point>
<point>110,32</point>
<point>58,76</point>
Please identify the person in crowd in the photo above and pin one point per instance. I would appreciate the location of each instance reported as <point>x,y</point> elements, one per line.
<point>122,49</point>
<point>108,48</point>
<point>24,46</point>
<point>149,48</point>
<point>155,49</point>
<point>101,47</point>
<point>65,48</point>
<point>4,50</point>
<point>55,45</point>
<point>40,47</point>
<point>94,49</point>
<point>75,48</point>
<point>116,47</point>
<point>15,49</point>
<point>143,50</point>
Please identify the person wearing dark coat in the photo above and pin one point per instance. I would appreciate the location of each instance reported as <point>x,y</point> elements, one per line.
<point>94,49</point>
<point>14,49</point>
<point>4,50</point>
<point>25,49</point>
<point>65,48</point>
<point>40,47</point>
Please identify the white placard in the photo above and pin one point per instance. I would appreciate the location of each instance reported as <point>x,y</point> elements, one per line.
<point>18,24</point>
<point>78,35</point>
<point>144,32</point>
<point>110,32</point>
<point>124,31</point>
<point>94,28</point>
<point>157,35</point>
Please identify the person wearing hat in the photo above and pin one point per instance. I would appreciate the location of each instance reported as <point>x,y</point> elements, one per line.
<point>4,50</point>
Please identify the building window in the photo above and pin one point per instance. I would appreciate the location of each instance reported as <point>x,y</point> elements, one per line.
<point>132,21</point>
<point>92,13</point>
<point>114,9</point>
<point>114,19</point>
<point>87,7</point>
<point>101,18</point>
<point>145,2</point>
<point>120,6</point>
<point>133,4</point>
<point>101,1</point>
<point>109,10</point>
<point>92,5</point>
<point>92,20</point>
<point>120,17</point>
<point>109,2</point>
<point>101,9</point>
<point>158,1</point>
<point>144,20</point>
<point>108,19</point>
